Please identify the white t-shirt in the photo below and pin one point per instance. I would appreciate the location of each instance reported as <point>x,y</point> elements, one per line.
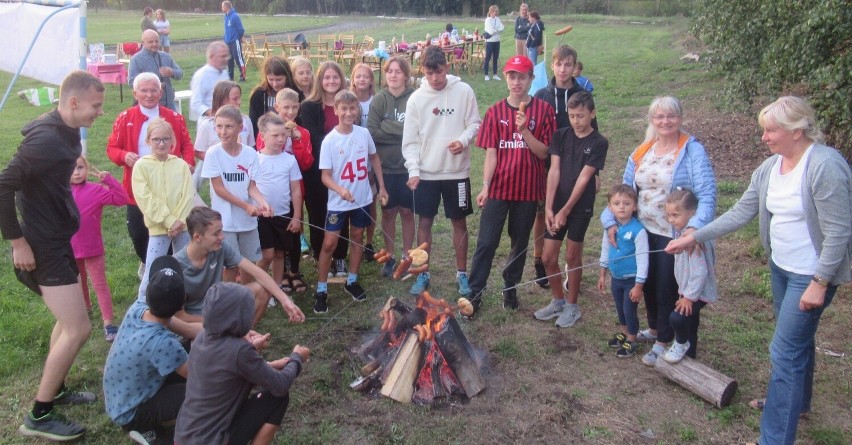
<point>206,136</point>
<point>792,247</point>
<point>274,175</point>
<point>236,173</point>
<point>347,156</point>
<point>365,110</point>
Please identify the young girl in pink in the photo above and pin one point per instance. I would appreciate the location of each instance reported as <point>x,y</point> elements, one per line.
<point>88,242</point>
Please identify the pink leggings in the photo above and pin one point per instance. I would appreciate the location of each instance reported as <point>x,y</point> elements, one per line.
<point>94,267</point>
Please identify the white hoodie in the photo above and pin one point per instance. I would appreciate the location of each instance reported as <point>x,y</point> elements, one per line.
<point>434,119</point>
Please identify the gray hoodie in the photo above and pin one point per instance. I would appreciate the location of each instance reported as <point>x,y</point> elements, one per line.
<point>223,368</point>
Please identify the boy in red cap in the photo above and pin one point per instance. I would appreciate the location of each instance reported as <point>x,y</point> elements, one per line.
<point>515,134</point>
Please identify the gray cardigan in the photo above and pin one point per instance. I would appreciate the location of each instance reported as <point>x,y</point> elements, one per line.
<point>826,198</point>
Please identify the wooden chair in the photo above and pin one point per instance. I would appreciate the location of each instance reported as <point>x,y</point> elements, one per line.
<point>253,55</point>
<point>476,54</point>
<point>261,43</point>
<point>458,57</point>
<point>347,55</point>
<point>368,43</point>
<point>327,38</point>
<point>319,51</point>
<point>347,38</point>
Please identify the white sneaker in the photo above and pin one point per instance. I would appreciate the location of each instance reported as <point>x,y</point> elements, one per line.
<point>650,359</point>
<point>495,77</point>
<point>487,78</point>
<point>552,310</point>
<point>568,317</point>
<point>676,353</point>
<point>645,335</point>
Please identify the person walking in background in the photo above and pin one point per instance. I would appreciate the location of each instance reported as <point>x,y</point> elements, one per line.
<point>152,60</point>
<point>147,21</point>
<point>802,197</point>
<point>522,29</point>
<point>234,33</point>
<point>493,28</point>
<point>37,180</point>
<point>206,78</point>
<point>535,37</point>
<point>88,242</point>
<point>164,29</point>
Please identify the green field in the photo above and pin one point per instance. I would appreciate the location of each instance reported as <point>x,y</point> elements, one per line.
<point>544,384</point>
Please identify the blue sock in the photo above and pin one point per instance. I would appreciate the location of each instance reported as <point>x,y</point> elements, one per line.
<point>353,277</point>
<point>322,287</point>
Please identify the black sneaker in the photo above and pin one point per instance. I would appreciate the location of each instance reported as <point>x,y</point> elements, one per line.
<point>355,291</point>
<point>627,349</point>
<point>541,276</point>
<point>321,302</point>
<point>617,340</point>
<point>369,253</point>
<point>69,397</point>
<point>52,426</point>
<point>510,299</point>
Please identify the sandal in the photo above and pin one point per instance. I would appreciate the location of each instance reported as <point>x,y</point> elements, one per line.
<point>298,282</point>
<point>757,404</point>
<point>286,286</point>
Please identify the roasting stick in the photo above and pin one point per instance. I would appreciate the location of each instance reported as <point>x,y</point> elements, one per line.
<point>596,263</point>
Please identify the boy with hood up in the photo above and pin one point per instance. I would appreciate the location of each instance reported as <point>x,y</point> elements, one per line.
<point>226,364</point>
<point>441,121</point>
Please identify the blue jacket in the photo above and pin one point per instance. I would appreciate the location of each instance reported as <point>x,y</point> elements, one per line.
<point>692,171</point>
<point>233,27</point>
<point>622,260</point>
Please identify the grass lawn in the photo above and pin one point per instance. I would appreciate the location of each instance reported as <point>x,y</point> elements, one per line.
<point>544,384</point>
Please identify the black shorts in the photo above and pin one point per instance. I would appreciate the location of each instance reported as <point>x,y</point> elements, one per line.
<point>273,232</point>
<point>399,195</point>
<point>257,410</point>
<point>575,228</point>
<point>455,193</point>
<point>55,266</point>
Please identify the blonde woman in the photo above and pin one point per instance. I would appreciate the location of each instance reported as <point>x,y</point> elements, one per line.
<point>801,196</point>
<point>164,29</point>
<point>493,28</point>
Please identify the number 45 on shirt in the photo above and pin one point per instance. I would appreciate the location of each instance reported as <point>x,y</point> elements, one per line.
<point>348,173</point>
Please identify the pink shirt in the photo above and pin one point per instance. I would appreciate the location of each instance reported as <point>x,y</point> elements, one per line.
<point>91,199</point>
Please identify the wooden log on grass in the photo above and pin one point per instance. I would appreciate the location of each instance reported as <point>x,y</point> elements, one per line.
<point>701,380</point>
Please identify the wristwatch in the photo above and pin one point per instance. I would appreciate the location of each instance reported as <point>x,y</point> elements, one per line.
<point>821,281</point>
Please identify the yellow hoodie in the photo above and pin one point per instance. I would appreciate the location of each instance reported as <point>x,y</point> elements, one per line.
<point>163,192</point>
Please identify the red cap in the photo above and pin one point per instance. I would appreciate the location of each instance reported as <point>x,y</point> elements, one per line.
<point>520,64</point>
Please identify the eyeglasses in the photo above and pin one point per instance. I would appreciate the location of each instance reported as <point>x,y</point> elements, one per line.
<point>661,117</point>
<point>161,141</point>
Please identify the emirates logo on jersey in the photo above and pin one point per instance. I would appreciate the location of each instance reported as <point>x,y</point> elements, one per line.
<point>443,111</point>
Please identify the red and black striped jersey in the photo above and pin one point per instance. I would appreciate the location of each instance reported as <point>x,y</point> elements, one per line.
<point>519,175</point>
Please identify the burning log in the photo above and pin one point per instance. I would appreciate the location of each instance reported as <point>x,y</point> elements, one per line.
<point>420,355</point>
<point>400,381</point>
<point>460,357</point>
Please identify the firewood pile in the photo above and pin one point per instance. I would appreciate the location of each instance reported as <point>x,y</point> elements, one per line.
<point>420,355</point>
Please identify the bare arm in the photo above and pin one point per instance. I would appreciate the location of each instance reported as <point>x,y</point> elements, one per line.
<point>487,174</point>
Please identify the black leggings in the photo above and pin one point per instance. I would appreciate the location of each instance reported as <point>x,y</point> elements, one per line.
<point>259,409</point>
<point>137,230</point>
<point>660,289</point>
<point>492,53</point>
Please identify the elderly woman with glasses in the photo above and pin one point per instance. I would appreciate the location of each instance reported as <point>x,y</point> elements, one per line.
<point>667,160</point>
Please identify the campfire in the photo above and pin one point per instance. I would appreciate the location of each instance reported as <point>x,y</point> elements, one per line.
<point>420,354</point>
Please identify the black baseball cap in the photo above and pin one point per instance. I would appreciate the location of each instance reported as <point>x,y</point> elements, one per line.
<point>165,294</point>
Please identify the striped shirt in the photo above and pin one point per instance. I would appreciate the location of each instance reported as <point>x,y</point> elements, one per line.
<point>520,174</point>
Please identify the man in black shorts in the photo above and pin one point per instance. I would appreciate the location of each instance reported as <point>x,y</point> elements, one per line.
<point>39,175</point>
<point>441,122</point>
